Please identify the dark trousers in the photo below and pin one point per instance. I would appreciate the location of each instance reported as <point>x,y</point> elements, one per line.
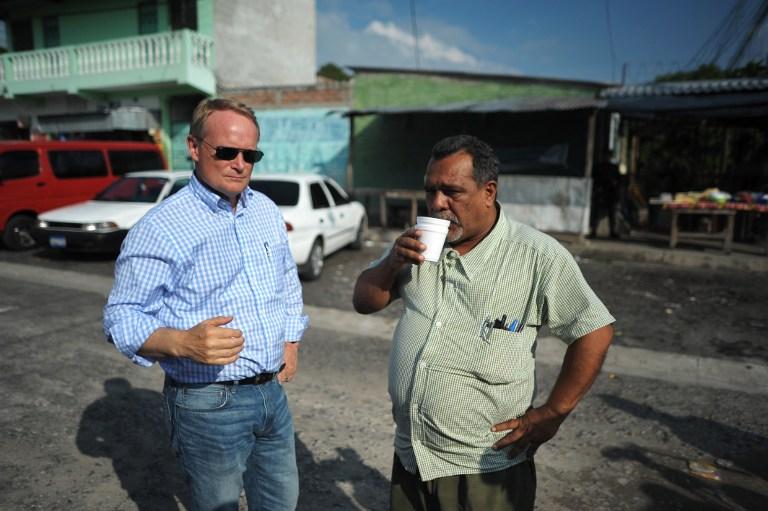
<point>512,489</point>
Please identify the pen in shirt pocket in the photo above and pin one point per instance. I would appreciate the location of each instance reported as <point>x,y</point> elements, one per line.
<point>266,249</point>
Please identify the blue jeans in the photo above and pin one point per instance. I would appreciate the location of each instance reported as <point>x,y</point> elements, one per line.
<point>227,437</point>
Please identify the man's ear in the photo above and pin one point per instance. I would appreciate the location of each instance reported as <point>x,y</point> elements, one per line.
<point>192,147</point>
<point>490,189</point>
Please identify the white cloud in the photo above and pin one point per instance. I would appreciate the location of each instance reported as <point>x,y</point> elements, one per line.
<point>430,48</point>
<point>383,43</point>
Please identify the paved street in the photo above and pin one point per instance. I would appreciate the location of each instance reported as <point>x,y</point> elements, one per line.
<point>685,381</point>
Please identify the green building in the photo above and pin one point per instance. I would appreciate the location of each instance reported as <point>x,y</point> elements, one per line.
<point>548,134</point>
<point>134,69</point>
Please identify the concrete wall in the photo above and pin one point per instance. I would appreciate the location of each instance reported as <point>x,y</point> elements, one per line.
<point>263,43</point>
<point>312,140</point>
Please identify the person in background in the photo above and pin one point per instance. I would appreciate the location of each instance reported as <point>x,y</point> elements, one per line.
<point>205,285</point>
<point>461,369</point>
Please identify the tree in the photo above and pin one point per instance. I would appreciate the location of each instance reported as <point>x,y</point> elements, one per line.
<point>753,69</point>
<point>333,72</point>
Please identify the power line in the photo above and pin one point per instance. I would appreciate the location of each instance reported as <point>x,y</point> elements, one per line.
<point>759,18</point>
<point>415,31</point>
<point>610,38</point>
<point>733,35</point>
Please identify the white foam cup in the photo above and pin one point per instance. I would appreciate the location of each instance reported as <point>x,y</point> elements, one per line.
<point>433,233</point>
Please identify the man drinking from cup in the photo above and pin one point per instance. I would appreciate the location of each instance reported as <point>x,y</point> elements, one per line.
<point>461,371</point>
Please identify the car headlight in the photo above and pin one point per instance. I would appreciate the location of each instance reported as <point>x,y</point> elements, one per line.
<point>42,224</point>
<point>100,226</point>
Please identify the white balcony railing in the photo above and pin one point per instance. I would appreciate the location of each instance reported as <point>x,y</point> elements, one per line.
<point>37,65</point>
<point>160,51</point>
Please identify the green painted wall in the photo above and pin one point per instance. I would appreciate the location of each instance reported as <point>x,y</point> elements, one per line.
<point>383,90</point>
<point>89,21</point>
<point>391,151</point>
<point>205,17</point>
<point>397,147</point>
<point>98,26</point>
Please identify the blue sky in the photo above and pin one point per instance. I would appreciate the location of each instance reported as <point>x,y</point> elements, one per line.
<point>547,38</point>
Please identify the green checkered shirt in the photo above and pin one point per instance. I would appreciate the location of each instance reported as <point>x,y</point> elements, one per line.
<point>451,377</point>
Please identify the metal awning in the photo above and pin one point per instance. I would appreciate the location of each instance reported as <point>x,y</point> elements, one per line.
<point>736,98</point>
<point>511,105</point>
<point>123,118</point>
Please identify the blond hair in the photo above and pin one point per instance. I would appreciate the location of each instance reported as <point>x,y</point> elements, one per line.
<point>207,106</point>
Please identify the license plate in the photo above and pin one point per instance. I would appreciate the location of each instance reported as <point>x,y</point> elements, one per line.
<point>57,241</point>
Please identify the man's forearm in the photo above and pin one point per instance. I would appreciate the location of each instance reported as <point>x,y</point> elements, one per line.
<point>163,343</point>
<point>581,365</point>
<point>373,289</point>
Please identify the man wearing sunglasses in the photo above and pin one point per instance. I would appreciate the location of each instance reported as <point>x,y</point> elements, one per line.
<point>205,285</point>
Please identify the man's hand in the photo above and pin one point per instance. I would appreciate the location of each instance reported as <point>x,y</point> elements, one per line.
<point>209,342</point>
<point>374,288</point>
<point>406,250</point>
<point>536,426</point>
<point>291,360</point>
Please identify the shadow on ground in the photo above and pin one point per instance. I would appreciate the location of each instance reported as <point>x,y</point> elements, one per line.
<point>344,482</point>
<point>127,427</point>
<point>742,467</point>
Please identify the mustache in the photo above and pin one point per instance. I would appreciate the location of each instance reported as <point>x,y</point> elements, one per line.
<point>447,215</point>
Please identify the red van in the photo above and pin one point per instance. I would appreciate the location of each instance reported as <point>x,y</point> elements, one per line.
<point>36,176</point>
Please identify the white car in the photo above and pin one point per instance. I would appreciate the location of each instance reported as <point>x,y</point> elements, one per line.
<point>319,216</point>
<point>100,224</point>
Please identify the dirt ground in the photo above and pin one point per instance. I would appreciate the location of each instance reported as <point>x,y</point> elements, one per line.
<point>713,313</point>
<point>81,427</point>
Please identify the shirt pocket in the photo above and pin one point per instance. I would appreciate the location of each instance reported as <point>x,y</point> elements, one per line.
<point>495,356</point>
<point>504,356</point>
<point>277,254</point>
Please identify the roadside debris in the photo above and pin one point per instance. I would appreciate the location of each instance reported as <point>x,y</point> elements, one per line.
<point>703,469</point>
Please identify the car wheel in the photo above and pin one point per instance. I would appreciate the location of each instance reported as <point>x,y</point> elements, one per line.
<point>18,233</point>
<point>360,236</point>
<point>314,265</point>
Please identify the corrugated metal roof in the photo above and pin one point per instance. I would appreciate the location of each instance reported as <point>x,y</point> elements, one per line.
<point>509,78</point>
<point>513,105</point>
<point>693,87</point>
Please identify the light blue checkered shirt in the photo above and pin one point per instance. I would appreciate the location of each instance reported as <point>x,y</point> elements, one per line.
<point>190,259</point>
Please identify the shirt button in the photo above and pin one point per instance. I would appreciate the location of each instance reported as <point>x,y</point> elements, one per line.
<point>423,365</point>
<point>439,324</point>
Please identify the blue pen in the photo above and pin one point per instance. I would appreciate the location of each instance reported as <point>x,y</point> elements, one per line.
<point>513,326</point>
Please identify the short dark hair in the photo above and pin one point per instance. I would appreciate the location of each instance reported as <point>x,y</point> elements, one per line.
<point>485,164</point>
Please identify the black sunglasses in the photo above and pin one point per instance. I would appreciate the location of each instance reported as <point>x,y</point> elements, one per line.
<point>230,153</point>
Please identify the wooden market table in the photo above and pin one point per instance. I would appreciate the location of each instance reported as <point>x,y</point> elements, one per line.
<point>712,209</point>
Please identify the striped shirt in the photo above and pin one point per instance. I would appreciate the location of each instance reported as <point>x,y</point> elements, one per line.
<point>452,376</point>
<point>190,259</point>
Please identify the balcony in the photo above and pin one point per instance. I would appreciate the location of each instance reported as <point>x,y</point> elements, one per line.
<point>160,62</point>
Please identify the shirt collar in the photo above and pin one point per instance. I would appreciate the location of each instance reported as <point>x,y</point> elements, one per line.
<point>213,199</point>
<point>477,258</point>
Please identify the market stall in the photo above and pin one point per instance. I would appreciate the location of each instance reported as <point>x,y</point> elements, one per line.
<point>713,205</point>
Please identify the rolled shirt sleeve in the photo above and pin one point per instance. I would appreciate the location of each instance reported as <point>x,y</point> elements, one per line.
<point>296,322</point>
<point>141,274</point>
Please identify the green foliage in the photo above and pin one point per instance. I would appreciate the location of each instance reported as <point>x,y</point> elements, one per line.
<point>753,69</point>
<point>333,72</point>
<point>681,155</point>
<point>678,155</point>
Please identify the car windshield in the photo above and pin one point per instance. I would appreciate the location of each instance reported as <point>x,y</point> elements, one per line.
<point>282,193</point>
<point>133,189</point>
